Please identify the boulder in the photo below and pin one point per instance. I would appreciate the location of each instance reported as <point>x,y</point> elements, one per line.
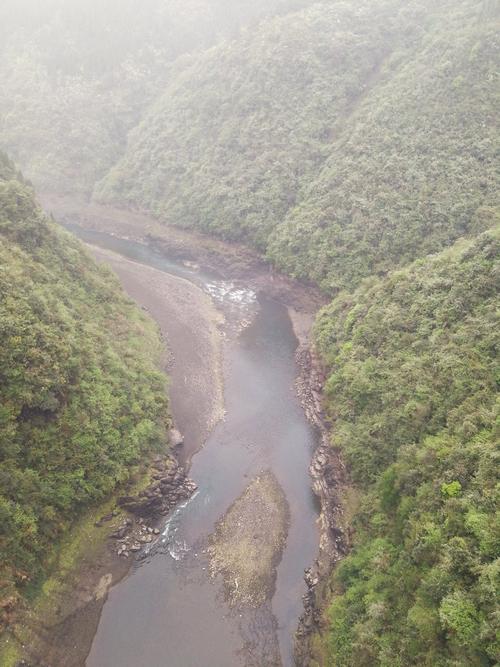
<point>175,437</point>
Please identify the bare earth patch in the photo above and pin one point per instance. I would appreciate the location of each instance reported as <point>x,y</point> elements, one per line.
<point>248,542</point>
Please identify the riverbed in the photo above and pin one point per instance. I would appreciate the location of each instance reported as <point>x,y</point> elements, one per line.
<point>170,610</point>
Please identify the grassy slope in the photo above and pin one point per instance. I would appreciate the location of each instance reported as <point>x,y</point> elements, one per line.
<point>81,399</point>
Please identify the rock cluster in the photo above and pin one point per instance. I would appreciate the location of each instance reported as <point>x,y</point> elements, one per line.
<point>131,538</point>
<point>327,469</point>
<point>309,386</point>
<point>107,517</point>
<point>312,612</point>
<point>329,478</point>
<point>169,486</point>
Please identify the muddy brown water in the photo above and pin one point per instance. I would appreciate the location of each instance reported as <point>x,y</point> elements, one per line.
<point>168,612</point>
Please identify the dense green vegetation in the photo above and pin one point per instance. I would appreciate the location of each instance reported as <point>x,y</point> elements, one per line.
<point>76,75</point>
<point>80,397</point>
<point>239,129</point>
<point>344,139</point>
<point>415,166</point>
<point>413,396</point>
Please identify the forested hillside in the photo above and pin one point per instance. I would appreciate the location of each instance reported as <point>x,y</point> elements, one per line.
<point>415,167</point>
<point>413,398</point>
<point>76,76</point>
<point>80,397</point>
<point>340,138</point>
<point>238,130</point>
<point>354,144</point>
<point>343,140</point>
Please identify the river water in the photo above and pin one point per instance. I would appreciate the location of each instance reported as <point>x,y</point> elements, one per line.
<point>168,612</point>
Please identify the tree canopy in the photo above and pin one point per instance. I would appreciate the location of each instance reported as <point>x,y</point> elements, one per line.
<point>342,140</point>
<point>413,398</point>
<point>81,399</point>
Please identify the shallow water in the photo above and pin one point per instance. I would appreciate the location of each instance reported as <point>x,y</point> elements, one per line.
<point>168,612</point>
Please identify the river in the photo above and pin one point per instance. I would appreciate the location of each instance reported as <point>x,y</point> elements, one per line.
<point>169,612</point>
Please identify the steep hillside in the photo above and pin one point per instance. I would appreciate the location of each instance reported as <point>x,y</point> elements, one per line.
<point>80,397</point>
<point>343,140</point>
<point>76,76</point>
<point>413,398</point>
<point>242,127</point>
<point>354,144</point>
<point>415,167</point>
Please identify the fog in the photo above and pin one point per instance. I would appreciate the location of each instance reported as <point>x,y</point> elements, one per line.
<point>77,75</point>
<point>234,233</point>
<point>98,34</point>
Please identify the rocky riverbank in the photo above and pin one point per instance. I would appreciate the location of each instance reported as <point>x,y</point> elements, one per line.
<point>328,474</point>
<point>330,484</point>
<point>168,487</point>
<point>56,628</point>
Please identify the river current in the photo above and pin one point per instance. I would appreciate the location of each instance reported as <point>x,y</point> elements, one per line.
<point>168,611</point>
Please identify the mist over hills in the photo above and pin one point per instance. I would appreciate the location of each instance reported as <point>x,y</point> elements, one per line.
<point>354,144</point>
<point>342,140</point>
<point>81,399</point>
<point>76,76</point>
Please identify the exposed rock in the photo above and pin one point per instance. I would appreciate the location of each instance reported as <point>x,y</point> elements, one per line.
<point>103,586</point>
<point>175,437</point>
<point>248,542</point>
<point>169,486</point>
<point>104,519</point>
<point>329,481</point>
<point>120,533</point>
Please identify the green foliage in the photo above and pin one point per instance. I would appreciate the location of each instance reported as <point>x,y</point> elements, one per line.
<point>412,394</point>
<point>240,128</point>
<point>459,615</point>
<point>414,166</point>
<point>80,397</point>
<point>452,489</point>
<point>343,140</point>
<point>76,76</point>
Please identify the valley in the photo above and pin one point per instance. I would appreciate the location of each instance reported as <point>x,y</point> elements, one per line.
<point>259,370</point>
<point>249,279</point>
